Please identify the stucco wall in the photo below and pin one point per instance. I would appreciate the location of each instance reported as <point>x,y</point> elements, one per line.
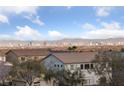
<point>26,58</point>
<point>11,57</point>
<point>53,63</point>
<point>90,76</point>
<point>2,58</point>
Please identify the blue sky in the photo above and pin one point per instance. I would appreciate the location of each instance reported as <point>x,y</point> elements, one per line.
<point>51,23</point>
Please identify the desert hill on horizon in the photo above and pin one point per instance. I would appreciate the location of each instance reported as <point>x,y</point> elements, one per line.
<point>69,39</point>
<point>62,42</point>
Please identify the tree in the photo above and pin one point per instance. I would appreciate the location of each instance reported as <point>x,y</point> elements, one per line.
<point>49,76</point>
<point>69,48</point>
<point>122,50</point>
<point>27,71</point>
<point>117,69</point>
<point>103,68</point>
<point>110,68</point>
<point>73,48</point>
<point>65,77</point>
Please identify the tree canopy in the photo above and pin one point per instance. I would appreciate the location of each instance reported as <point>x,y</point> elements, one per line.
<point>65,77</point>
<point>27,71</point>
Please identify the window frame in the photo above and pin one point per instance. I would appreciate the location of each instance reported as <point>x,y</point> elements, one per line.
<point>85,66</point>
<point>91,66</point>
<point>72,67</point>
<point>82,65</point>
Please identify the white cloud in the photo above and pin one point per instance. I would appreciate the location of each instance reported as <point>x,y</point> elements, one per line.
<point>7,37</point>
<point>38,21</point>
<point>103,34</point>
<point>56,34</point>
<point>108,30</point>
<point>25,10</point>
<point>88,26</point>
<point>113,25</point>
<point>23,33</point>
<point>3,19</point>
<point>103,11</point>
<point>19,9</point>
<point>35,20</point>
<point>27,33</point>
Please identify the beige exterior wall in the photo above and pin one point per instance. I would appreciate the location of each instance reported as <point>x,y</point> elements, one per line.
<point>90,76</point>
<point>26,58</point>
<point>77,66</point>
<point>3,58</point>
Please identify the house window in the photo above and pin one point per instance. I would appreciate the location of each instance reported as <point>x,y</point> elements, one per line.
<point>81,66</point>
<point>87,66</point>
<point>91,66</point>
<point>58,65</point>
<point>61,65</point>
<point>72,67</point>
<point>55,65</point>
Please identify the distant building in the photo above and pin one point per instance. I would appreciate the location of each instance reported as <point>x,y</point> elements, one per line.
<point>22,55</point>
<point>73,61</point>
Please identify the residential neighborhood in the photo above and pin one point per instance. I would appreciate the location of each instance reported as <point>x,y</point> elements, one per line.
<point>61,46</point>
<point>55,63</point>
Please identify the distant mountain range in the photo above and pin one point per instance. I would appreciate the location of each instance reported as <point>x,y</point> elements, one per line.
<point>67,39</point>
<point>63,42</point>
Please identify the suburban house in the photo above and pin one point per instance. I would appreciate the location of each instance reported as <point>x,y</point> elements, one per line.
<point>73,61</point>
<point>51,62</point>
<point>22,55</point>
<point>3,55</point>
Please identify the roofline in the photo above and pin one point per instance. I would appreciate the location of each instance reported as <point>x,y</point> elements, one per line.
<point>54,56</point>
<point>4,53</point>
<point>78,62</point>
<point>12,52</point>
<point>23,55</point>
<point>64,62</point>
<point>7,52</point>
<point>46,57</point>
